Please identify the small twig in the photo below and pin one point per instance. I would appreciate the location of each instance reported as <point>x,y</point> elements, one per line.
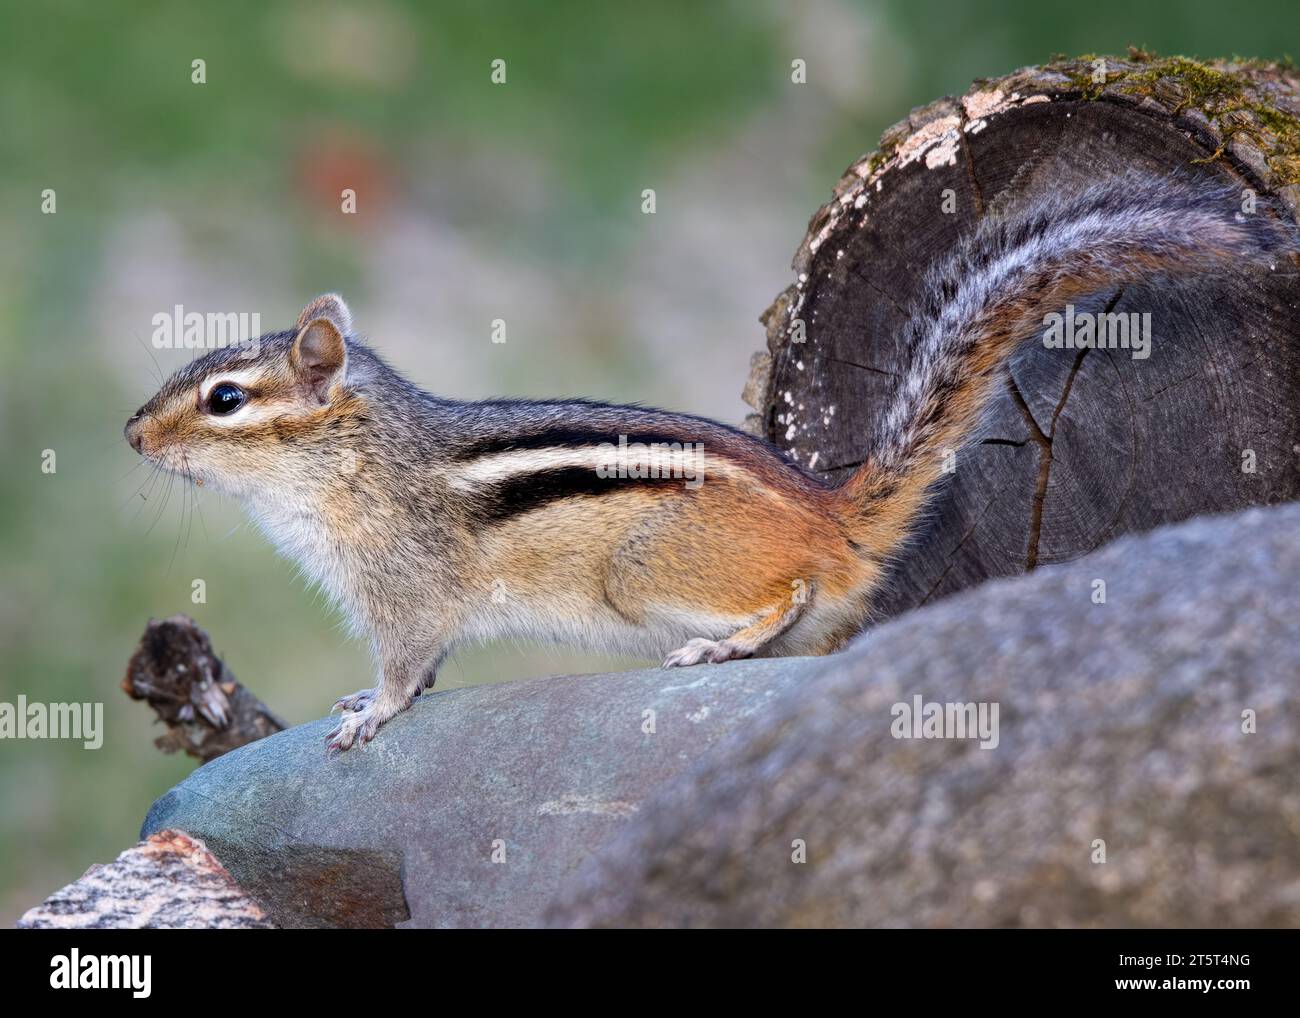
<point>206,710</point>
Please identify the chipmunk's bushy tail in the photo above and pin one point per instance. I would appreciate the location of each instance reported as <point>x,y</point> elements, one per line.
<point>992,293</point>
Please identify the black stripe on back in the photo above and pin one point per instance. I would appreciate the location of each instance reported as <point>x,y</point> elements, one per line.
<point>528,492</point>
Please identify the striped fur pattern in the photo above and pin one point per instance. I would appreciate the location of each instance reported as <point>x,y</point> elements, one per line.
<point>435,522</point>
<point>993,292</point>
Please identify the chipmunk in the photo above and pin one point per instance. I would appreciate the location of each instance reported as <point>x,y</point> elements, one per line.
<point>433,522</point>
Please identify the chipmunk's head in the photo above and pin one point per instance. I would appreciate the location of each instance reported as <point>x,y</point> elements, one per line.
<point>261,419</point>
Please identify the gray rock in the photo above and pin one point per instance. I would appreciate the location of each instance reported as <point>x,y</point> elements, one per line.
<point>170,881</point>
<point>548,769</point>
<point>1120,721</point>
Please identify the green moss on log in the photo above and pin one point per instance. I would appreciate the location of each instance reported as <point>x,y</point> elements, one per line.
<point>1226,93</point>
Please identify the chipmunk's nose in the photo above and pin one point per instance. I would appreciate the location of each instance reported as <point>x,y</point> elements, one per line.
<point>132,431</point>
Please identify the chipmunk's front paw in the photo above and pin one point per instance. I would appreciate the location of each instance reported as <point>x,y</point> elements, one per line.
<point>697,650</point>
<point>356,701</point>
<point>360,723</point>
<point>355,728</point>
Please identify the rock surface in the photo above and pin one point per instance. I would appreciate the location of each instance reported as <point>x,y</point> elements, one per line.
<point>1120,721</point>
<point>536,774</point>
<point>1122,729</point>
<point>169,881</point>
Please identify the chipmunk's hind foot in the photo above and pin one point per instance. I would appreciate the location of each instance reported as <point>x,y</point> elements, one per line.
<point>712,651</point>
<point>743,643</point>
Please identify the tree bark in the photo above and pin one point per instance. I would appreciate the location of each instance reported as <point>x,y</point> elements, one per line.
<point>1084,445</point>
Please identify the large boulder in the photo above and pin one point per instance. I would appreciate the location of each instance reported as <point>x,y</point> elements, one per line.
<point>1158,731</point>
<point>470,808</point>
<point>1144,772</point>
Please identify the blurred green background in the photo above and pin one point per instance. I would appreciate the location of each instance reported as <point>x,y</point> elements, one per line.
<point>476,201</point>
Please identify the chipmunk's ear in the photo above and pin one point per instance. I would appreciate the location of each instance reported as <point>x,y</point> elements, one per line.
<point>319,355</point>
<point>329,306</point>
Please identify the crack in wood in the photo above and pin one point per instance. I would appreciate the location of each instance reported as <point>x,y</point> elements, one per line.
<point>864,367</point>
<point>904,312</point>
<point>1005,441</point>
<point>1183,381</point>
<point>1045,441</point>
<point>971,176</point>
<point>1045,463</point>
<point>1173,385</point>
<point>952,555</point>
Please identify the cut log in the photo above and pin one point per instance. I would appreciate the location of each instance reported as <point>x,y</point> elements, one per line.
<point>169,881</point>
<point>1083,445</point>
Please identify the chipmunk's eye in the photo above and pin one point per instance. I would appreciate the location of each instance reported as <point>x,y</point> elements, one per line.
<point>226,398</point>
